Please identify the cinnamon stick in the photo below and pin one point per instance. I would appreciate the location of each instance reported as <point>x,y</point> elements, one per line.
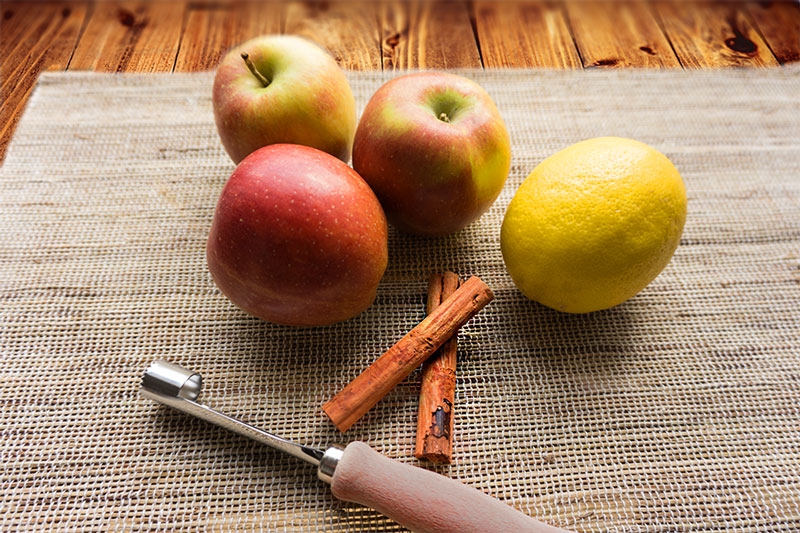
<point>438,385</point>
<point>361,394</point>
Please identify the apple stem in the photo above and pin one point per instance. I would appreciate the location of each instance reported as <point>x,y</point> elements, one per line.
<point>264,81</point>
<point>443,117</point>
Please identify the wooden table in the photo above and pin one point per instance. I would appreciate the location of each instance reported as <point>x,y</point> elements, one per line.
<point>130,36</point>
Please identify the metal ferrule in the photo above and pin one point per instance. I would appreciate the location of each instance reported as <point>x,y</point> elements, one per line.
<point>328,463</point>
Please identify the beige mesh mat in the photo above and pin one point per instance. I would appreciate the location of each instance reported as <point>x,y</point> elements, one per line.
<point>678,410</point>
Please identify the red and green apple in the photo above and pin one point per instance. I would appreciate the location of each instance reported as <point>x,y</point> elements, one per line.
<point>434,149</point>
<point>298,238</point>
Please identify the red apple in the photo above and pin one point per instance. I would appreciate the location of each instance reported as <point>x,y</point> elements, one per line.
<point>298,238</point>
<point>434,149</point>
<point>282,89</point>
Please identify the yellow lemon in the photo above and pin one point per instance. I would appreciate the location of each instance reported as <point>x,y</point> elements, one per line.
<point>593,224</point>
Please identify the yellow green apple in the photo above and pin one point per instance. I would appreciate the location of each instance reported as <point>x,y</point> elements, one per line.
<point>282,89</point>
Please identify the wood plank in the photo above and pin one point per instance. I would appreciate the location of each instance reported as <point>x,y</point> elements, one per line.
<point>212,29</point>
<point>619,34</point>
<point>524,34</point>
<point>34,37</point>
<point>348,30</point>
<point>779,25</point>
<point>130,37</point>
<point>427,35</point>
<point>713,34</point>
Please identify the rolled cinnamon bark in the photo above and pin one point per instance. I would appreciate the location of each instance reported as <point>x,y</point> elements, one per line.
<point>438,385</point>
<point>361,394</point>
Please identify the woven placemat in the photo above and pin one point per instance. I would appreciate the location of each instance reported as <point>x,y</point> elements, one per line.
<point>678,410</point>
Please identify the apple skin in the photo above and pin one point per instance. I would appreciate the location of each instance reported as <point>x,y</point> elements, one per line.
<point>432,177</point>
<point>308,100</point>
<point>298,238</point>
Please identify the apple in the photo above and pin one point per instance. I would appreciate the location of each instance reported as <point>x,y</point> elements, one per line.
<point>298,238</point>
<point>282,89</point>
<point>434,149</point>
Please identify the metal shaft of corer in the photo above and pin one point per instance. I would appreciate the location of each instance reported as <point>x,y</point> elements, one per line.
<point>179,388</point>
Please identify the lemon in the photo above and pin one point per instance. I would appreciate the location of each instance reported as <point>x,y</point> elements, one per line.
<point>593,224</point>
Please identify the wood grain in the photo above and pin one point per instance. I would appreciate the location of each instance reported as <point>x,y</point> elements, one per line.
<point>147,36</point>
<point>130,37</point>
<point>779,25</point>
<point>524,34</point>
<point>211,29</point>
<point>427,35</point>
<point>619,34</point>
<point>34,38</point>
<point>714,34</point>
<point>348,30</point>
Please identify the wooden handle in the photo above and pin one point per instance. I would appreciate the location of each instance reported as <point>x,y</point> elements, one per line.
<point>421,500</point>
